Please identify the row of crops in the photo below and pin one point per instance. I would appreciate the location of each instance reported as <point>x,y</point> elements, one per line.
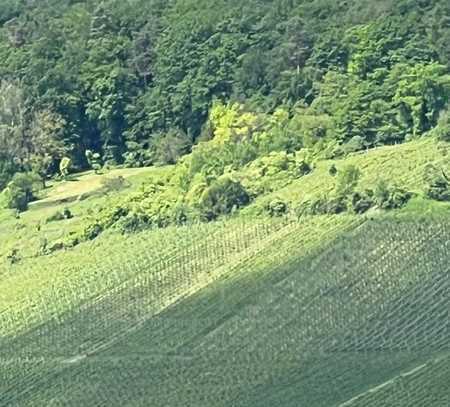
<point>247,314</point>
<point>85,311</point>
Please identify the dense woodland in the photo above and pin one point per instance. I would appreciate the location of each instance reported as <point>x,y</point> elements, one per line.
<point>140,82</point>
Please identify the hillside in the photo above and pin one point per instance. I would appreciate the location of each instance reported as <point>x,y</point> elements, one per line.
<point>225,203</point>
<point>251,321</point>
<point>324,310</point>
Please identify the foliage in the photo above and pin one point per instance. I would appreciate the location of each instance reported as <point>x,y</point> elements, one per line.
<point>223,197</point>
<point>437,184</point>
<point>139,81</point>
<point>322,205</point>
<point>94,160</point>
<point>347,181</point>
<point>442,129</point>
<point>12,130</point>
<point>276,208</point>
<point>64,166</point>
<point>169,148</point>
<point>348,196</point>
<point>21,190</point>
<point>388,196</point>
<point>333,170</point>
<point>361,202</point>
<point>46,143</point>
<point>13,257</point>
<point>133,222</point>
<point>60,215</point>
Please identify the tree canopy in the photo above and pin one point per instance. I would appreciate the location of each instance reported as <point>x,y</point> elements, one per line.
<point>135,80</point>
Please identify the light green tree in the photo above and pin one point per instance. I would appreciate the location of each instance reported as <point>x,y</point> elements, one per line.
<point>64,167</point>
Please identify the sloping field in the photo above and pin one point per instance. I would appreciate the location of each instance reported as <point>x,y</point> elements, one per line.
<point>82,194</point>
<point>402,165</point>
<point>237,314</point>
<point>61,308</point>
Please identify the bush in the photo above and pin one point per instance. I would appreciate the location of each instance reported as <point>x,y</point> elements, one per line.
<point>94,160</point>
<point>277,207</point>
<point>223,197</point>
<point>437,185</point>
<point>58,215</point>
<point>361,202</point>
<point>133,222</point>
<point>322,205</point>
<point>92,231</point>
<point>385,196</point>
<point>13,257</point>
<point>21,191</point>
<point>303,168</point>
<point>390,196</point>
<point>347,181</point>
<point>442,129</point>
<point>333,170</point>
<point>168,148</point>
<point>355,144</point>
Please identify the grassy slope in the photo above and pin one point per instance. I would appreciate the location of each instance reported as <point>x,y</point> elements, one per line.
<point>402,164</point>
<point>240,312</point>
<point>80,195</point>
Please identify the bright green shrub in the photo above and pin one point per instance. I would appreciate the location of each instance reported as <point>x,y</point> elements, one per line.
<point>92,231</point>
<point>347,181</point>
<point>272,171</point>
<point>322,205</point>
<point>384,196</point>
<point>398,198</point>
<point>198,186</point>
<point>276,208</point>
<point>64,166</point>
<point>133,222</point>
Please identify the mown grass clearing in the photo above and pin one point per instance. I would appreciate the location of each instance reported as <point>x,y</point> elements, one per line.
<point>27,233</point>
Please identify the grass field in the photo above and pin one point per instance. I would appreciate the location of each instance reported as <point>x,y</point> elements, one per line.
<point>335,310</point>
<point>80,195</point>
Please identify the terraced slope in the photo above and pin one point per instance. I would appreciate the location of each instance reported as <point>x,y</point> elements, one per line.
<point>269,314</point>
<point>58,311</point>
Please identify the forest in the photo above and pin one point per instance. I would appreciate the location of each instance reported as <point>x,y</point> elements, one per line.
<point>133,82</point>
